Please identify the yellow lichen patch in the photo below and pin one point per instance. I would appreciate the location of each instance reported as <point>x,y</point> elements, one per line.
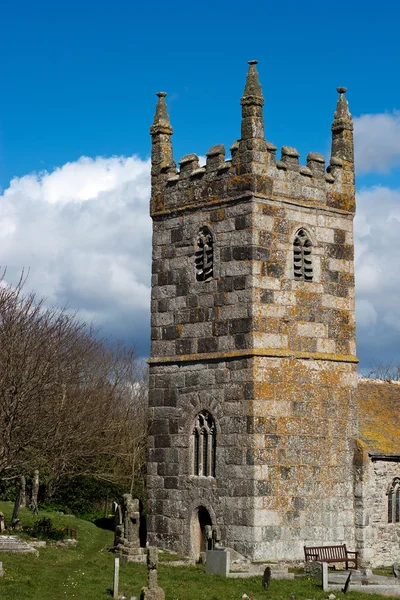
<point>378,414</point>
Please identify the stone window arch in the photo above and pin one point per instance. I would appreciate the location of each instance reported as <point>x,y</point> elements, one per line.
<point>204,258</point>
<point>302,257</point>
<point>204,436</point>
<point>393,494</point>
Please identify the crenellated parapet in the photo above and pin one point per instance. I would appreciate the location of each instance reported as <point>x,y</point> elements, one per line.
<point>254,168</point>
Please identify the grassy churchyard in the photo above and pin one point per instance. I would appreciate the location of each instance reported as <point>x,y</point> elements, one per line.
<point>86,572</point>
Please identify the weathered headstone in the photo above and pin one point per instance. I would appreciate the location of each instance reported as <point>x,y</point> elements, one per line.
<point>313,569</point>
<point>126,536</point>
<point>396,570</point>
<point>1,569</point>
<point>2,522</point>
<point>266,577</point>
<point>22,501</point>
<point>218,562</point>
<point>152,592</point>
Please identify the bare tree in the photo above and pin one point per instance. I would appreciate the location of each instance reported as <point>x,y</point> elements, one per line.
<point>70,403</point>
<point>384,371</point>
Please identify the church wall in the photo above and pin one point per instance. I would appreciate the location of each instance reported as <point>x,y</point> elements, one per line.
<point>379,540</point>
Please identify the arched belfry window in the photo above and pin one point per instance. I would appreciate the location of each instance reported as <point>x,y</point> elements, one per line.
<point>204,255</point>
<point>204,445</point>
<point>302,259</point>
<point>394,501</point>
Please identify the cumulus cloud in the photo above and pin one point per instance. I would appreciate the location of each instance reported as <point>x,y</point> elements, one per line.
<point>377,266</point>
<point>84,233</point>
<point>377,142</point>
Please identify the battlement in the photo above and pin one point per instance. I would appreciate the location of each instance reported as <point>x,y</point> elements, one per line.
<point>254,169</point>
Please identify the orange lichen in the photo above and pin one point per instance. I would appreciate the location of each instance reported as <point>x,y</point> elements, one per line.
<point>378,413</point>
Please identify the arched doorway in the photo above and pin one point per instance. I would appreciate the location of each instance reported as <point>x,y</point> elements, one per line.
<point>200,541</point>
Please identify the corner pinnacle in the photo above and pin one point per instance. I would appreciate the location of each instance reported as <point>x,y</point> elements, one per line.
<point>161,123</point>
<point>252,92</point>
<point>342,113</point>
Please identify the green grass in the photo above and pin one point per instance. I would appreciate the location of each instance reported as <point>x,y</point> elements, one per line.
<point>86,572</point>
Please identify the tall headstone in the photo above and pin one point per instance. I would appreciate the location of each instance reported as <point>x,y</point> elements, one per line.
<point>152,592</point>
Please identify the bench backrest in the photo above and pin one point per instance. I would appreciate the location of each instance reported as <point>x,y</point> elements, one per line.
<point>323,553</point>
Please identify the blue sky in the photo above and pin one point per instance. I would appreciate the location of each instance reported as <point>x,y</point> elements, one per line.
<point>79,79</point>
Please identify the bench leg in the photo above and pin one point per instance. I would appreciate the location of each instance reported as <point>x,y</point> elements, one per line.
<point>347,566</point>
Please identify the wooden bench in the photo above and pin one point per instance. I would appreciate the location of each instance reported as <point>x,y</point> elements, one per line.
<point>331,554</point>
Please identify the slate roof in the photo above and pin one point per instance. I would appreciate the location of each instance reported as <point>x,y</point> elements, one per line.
<point>379,416</point>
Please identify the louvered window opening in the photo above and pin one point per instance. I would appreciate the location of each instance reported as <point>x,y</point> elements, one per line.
<point>204,258</point>
<point>394,502</point>
<point>204,445</point>
<point>302,259</point>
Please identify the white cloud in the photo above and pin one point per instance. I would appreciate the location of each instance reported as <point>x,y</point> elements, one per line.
<point>377,142</point>
<point>85,234</point>
<point>377,268</point>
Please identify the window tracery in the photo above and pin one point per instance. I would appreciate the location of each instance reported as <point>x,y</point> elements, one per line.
<point>204,445</point>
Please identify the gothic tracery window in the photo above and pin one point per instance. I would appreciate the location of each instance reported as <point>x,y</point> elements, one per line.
<point>204,255</point>
<point>204,445</point>
<point>394,501</point>
<point>302,260</point>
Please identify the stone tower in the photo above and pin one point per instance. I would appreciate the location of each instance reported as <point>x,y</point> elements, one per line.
<point>253,367</point>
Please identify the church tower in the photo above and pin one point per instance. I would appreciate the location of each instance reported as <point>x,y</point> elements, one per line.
<point>253,366</point>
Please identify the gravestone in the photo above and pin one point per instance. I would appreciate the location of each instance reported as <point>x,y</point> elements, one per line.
<point>152,592</point>
<point>126,530</point>
<point>266,577</point>
<point>313,569</point>
<point>1,569</point>
<point>2,523</point>
<point>396,570</point>
<point>218,562</point>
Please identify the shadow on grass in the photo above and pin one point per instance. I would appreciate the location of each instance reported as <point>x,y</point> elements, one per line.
<point>105,523</point>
